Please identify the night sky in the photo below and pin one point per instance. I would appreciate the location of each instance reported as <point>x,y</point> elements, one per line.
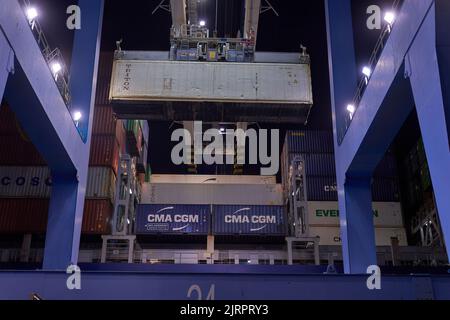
<point>300,22</point>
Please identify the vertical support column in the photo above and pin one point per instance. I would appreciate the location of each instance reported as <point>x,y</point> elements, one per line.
<point>357,228</point>
<point>6,63</point>
<point>64,222</point>
<point>68,192</point>
<point>425,77</point>
<point>355,199</point>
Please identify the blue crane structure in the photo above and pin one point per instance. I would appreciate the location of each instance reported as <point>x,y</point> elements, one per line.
<point>411,70</point>
<point>28,84</point>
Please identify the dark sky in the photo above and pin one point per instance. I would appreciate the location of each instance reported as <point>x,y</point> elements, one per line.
<point>300,22</point>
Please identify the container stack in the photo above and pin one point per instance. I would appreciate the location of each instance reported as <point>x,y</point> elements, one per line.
<point>317,150</point>
<point>25,179</point>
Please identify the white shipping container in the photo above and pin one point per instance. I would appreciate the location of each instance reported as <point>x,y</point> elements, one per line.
<point>146,80</point>
<point>218,194</point>
<point>212,179</point>
<point>101,183</point>
<point>326,213</point>
<point>35,182</point>
<point>331,236</point>
<point>25,182</point>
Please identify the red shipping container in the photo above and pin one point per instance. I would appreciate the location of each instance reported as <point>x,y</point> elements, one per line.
<point>104,152</point>
<point>8,121</point>
<point>104,121</point>
<point>16,150</point>
<point>97,217</point>
<point>104,78</point>
<point>21,216</point>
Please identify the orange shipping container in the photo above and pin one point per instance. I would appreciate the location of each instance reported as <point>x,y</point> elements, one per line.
<point>104,152</point>
<point>97,217</point>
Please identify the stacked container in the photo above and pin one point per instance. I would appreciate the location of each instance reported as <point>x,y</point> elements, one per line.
<point>317,150</point>
<point>25,179</point>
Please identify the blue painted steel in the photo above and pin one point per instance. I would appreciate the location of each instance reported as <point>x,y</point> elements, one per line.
<point>69,188</point>
<point>385,105</point>
<point>249,220</point>
<point>357,230</point>
<point>41,111</point>
<point>431,106</point>
<point>6,62</point>
<point>220,283</point>
<point>175,219</point>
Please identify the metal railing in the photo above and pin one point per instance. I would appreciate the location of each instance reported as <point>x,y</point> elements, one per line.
<point>51,56</point>
<point>373,61</point>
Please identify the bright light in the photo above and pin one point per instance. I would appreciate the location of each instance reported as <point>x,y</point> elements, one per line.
<point>77,115</point>
<point>32,14</point>
<point>56,68</point>
<point>389,17</point>
<point>202,23</point>
<point>351,108</point>
<point>367,72</point>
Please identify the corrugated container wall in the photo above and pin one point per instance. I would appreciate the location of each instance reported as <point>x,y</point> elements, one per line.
<point>173,219</point>
<point>105,152</point>
<point>36,182</point>
<point>249,220</point>
<point>104,78</point>
<point>316,148</point>
<point>19,216</point>
<point>23,215</point>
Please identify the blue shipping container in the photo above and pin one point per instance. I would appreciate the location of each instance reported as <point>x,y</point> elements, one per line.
<point>249,220</point>
<point>176,219</point>
<point>309,142</point>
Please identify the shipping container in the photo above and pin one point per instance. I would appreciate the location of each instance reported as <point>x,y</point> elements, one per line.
<point>249,220</point>
<point>386,190</point>
<point>321,189</point>
<point>213,179</point>
<point>97,217</point>
<point>36,182</point>
<point>309,142</point>
<point>101,183</point>
<point>20,216</point>
<point>170,193</point>
<point>25,182</point>
<point>210,82</point>
<point>104,78</point>
<point>331,236</point>
<point>173,219</point>
<point>324,213</point>
<point>8,121</point>
<point>104,121</point>
<point>105,152</point>
<point>17,150</point>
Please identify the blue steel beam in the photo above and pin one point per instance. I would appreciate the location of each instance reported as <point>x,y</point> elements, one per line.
<point>69,190</point>
<point>357,230</point>
<point>432,104</point>
<point>35,98</point>
<point>387,101</point>
<point>6,62</point>
<point>220,283</point>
